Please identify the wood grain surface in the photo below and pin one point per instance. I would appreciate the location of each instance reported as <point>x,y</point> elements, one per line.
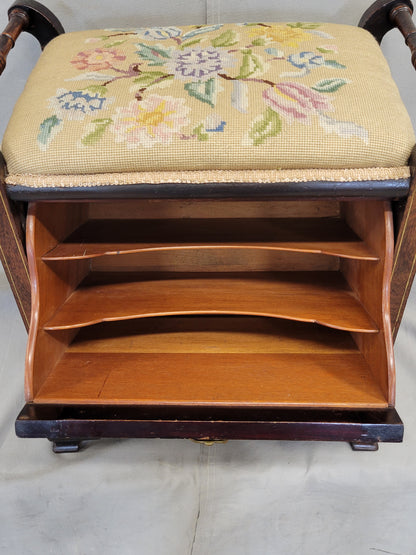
<point>322,297</point>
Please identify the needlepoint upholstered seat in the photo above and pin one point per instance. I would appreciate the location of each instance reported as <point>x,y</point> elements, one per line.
<point>262,102</point>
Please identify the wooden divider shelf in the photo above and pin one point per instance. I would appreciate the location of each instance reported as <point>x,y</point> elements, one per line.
<point>210,304</point>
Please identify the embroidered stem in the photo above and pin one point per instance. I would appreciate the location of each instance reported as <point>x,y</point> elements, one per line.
<point>253,79</point>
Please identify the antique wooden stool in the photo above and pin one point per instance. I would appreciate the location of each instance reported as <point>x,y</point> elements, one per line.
<point>219,230</point>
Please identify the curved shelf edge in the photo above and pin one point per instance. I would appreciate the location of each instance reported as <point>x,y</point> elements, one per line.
<point>121,250</point>
<point>93,322</point>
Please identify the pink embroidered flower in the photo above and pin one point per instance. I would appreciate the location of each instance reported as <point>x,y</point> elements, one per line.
<point>295,101</point>
<point>95,60</point>
<point>155,119</point>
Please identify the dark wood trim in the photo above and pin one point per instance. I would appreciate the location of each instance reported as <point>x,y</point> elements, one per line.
<point>377,18</point>
<point>43,24</point>
<point>401,16</point>
<point>12,250</point>
<point>73,423</point>
<point>388,189</point>
<point>18,22</point>
<point>32,17</point>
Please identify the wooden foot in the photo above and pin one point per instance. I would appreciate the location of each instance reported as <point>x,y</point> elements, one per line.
<point>66,446</point>
<point>364,446</point>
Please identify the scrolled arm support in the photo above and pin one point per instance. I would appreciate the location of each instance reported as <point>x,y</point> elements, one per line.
<point>32,17</point>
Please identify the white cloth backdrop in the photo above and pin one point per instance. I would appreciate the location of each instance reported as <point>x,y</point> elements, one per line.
<point>176,497</point>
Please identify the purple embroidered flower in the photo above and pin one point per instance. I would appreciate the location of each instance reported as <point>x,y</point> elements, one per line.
<point>161,33</point>
<point>306,60</point>
<point>296,101</point>
<point>198,64</point>
<point>75,105</point>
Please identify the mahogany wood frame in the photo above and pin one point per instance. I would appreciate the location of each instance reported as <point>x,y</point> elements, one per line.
<point>67,426</point>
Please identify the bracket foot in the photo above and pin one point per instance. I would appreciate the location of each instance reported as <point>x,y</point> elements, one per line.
<point>66,446</point>
<point>356,446</point>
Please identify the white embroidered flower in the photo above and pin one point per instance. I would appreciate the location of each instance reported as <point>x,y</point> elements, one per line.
<point>155,119</point>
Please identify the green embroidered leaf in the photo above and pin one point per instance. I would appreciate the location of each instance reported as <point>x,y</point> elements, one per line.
<point>205,92</point>
<point>200,31</point>
<point>100,89</point>
<point>47,130</point>
<point>155,55</point>
<point>324,50</point>
<point>269,125</point>
<point>189,43</point>
<point>227,38</point>
<point>113,44</point>
<point>250,64</point>
<point>334,63</point>
<point>259,41</point>
<point>146,78</point>
<point>329,85</point>
<point>300,25</point>
<point>199,131</point>
<point>95,135</point>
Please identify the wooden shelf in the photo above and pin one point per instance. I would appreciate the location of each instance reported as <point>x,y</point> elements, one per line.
<point>113,237</point>
<point>210,334</point>
<point>322,297</point>
<point>313,380</point>
<point>216,361</point>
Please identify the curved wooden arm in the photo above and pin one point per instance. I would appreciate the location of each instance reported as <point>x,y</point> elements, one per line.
<point>32,17</point>
<point>401,16</point>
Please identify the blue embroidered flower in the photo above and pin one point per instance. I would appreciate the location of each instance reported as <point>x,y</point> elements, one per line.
<point>75,105</point>
<point>161,33</point>
<point>306,60</point>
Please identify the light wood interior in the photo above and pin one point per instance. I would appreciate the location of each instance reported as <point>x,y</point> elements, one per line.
<point>229,361</point>
<point>222,303</point>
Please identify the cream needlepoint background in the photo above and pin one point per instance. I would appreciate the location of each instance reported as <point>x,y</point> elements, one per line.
<point>261,96</point>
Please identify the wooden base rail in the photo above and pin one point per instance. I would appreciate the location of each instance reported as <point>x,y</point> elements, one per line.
<point>68,426</point>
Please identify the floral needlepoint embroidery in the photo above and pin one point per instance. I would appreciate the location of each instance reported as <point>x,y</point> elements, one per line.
<point>95,60</point>
<point>210,71</point>
<point>198,64</point>
<point>161,33</point>
<point>156,119</point>
<point>294,101</point>
<point>282,34</point>
<point>214,124</point>
<point>75,105</point>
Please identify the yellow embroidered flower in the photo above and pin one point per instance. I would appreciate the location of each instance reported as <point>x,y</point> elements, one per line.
<point>283,34</point>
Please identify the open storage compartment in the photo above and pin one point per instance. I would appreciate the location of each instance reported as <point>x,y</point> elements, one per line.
<point>227,361</point>
<point>202,304</point>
